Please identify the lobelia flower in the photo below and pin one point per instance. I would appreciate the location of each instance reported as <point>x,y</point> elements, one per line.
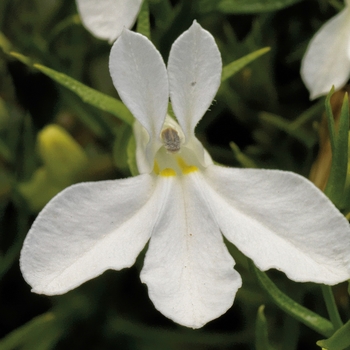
<point>105,19</point>
<point>182,202</point>
<point>327,58</point>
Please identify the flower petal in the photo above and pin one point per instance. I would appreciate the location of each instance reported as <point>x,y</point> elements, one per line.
<point>281,220</point>
<point>87,229</point>
<point>106,19</point>
<point>327,58</point>
<point>188,270</point>
<point>139,74</point>
<point>194,70</point>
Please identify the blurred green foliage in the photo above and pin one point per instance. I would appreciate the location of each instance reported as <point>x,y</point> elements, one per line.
<point>61,122</point>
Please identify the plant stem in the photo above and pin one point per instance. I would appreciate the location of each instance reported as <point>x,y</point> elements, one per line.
<point>331,306</point>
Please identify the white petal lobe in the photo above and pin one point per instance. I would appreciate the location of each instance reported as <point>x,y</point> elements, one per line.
<point>106,19</point>
<point>188,270</point>
<point>194,70</point>
<point>87,229</point>
<point>327,58</point>
<point>139,75</point>
<point>281,220</point>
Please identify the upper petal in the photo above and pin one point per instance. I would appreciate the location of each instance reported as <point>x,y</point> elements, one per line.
<point>87,229</point>
<point>188,270</point>
<point>106,19</point>
<point>139,74</point>
<point>194,70</point>
<point>281,220</point>
<point>327,58</point>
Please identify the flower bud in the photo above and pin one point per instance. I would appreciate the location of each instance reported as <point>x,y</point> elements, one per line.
<point>62,156</point>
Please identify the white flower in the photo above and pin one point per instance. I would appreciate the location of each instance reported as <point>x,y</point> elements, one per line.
<point>327,58</point>
<point>182,202</point>
<point>106,19</point>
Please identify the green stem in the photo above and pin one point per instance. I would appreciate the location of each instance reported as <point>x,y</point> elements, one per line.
<point>331,306</point>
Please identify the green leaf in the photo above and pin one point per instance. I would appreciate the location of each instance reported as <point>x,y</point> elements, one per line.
<point>339,144</point>
<point>5,152</point>
<point>131,153</point>
<point>339,340</point>
<point>232,68</point>
<point>244,6</point>
<point>143,25</point>
<point>261,334</point>
<point>120,155</point>
<point>63,25</point>
<point>41,333</point>
<point>91,96</point>
<point>311,114</point>
<point>94,121</point>
<point>308,139</point>
<point>5,44</point>
<point>253,6</point>
<point>95,98</point>
<point>299,312</point>
<point>242,158</point>
<point>330,119</point>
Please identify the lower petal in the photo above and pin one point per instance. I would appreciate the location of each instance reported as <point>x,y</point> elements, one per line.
<point>281,220</point>
<point>87,229</point>
<point>188,270</point>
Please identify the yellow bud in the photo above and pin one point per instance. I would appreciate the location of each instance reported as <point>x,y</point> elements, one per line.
<point>62,156</point>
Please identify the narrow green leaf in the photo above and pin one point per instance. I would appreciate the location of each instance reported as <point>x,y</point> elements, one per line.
<point>280,123</point>
<point>339,143</point>
<point>299,312</point>
<point>131,153</point>
<point>330,119</point>
<point>4,43</point>
<point>253,6</point>
<point>120,155</point>
<point>95,98</point>
<point>232,68</point>
<point>243,159</point>
<point>91,96</point>
<point>261,334</point>
<point>5,152</point>
<point>64,25</point>
<point>339,340</point>
<point>41,333</point>
<point>93,121</point>
<point>24,59</point>
<point>143,24</point>
<point>312,113</point>
<point>244,6</point>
